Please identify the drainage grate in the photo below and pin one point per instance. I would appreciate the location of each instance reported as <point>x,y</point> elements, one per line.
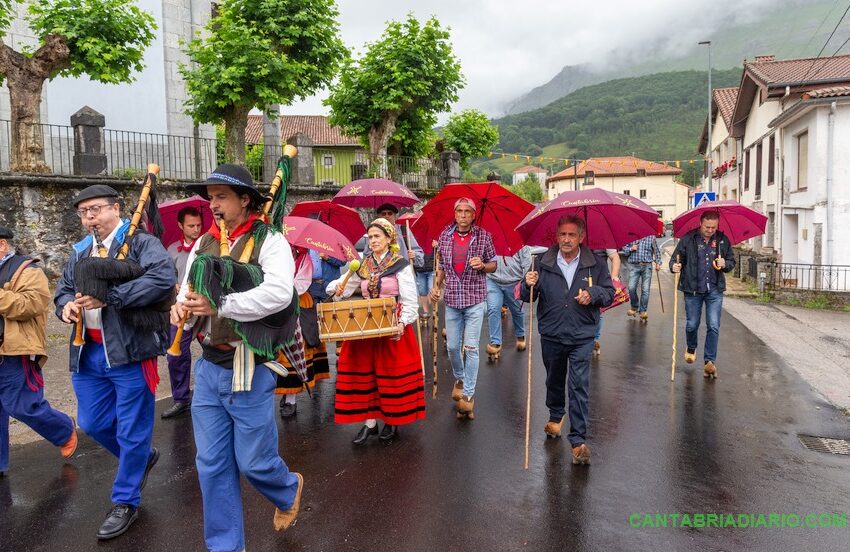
<point>825,444</point>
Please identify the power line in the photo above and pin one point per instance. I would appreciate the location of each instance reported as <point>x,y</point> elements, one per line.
<point>806,47</point>
<point>825,45</point>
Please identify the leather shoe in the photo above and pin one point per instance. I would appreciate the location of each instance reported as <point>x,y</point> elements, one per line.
<point>118,521</point>
<point>176,409</point>
<point>364,433</point>
<point>287,410</point>
<point>581,455</point>
<point>389,433</point>
<point>152,460</point>
<point>284,520</point>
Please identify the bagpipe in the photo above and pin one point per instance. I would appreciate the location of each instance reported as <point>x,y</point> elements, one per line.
<point>215,277</point>
<point>95,275</point>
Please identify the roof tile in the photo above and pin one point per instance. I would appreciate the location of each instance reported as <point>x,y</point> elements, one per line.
<point>615,166</point>
<point>314,126</point>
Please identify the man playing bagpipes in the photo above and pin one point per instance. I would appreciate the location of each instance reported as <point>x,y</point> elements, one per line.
<point>233,404</point>
<point>114,370</point>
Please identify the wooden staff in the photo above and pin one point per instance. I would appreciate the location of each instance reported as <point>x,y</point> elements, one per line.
<point>418,325</point>
<point>436,314</point>
<point>660,295</point>
<point>530,334</point>
<point>79,339</point>
<point>675,316</point>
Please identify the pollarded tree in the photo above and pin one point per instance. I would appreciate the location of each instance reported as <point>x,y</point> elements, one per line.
<point>102,39</point>
<point>409,76</point>
<point>470,134</point>
<point>259,53</point>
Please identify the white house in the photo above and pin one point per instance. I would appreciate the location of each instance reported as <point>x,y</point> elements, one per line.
<point>725,150</point>
<point>653,183</point>
<point>522,173</point>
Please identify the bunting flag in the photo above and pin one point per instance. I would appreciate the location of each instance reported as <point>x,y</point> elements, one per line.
<point>568,161</point>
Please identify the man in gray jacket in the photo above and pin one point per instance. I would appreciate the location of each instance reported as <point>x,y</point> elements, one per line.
<point>501,291</point>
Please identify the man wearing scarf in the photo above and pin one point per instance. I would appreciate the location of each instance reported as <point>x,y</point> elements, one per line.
<point>114,373</point>
<point>179,367</point>
<point>234,425</point>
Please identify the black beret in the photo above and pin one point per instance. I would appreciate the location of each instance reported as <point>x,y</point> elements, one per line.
<point>98,190</point>
<point>6,234</point>
<point>387,207</point>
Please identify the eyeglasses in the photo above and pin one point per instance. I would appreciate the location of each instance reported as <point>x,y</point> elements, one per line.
<point>94,209</point>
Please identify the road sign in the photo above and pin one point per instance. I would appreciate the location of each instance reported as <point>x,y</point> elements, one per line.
<point>702,197</point>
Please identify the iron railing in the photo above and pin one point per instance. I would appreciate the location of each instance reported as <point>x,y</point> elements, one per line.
<point>57,141</point>
<point>339,166</point>
<point>814,277</point>
<point>179,157</point>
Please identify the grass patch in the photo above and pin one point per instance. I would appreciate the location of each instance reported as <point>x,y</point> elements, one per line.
<point>817,303</point>
<point>846,308</point>
<point>764,298</point>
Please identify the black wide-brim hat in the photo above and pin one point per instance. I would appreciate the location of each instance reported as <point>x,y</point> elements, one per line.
<point>231,175</point>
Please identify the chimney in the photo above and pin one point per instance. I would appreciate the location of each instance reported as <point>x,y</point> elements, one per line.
<point>763,59</point>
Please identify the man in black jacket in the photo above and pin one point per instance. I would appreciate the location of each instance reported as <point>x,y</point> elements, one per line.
<point>571,285</point>
<point>703,256</point>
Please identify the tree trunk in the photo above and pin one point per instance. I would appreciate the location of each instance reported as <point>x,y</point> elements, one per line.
<point>235,122</point>
<point>379,136</point>
<point>25,78</point>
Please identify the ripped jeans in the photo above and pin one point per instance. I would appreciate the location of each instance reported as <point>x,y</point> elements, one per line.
<point>463,336</point>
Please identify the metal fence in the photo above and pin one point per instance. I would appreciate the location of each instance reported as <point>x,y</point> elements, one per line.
<point>339,166</point>
<point>58,143</point>
<point>179,157</point>
<point>808,276</point>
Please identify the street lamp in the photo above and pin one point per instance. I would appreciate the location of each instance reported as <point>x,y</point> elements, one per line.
<point>708,147</point>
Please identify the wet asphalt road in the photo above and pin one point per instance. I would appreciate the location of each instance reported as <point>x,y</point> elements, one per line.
<point>690,446</point>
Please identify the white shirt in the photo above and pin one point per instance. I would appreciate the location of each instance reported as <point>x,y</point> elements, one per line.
<point>92,316</point>
<point>407,295</point>
<point>568,268</point>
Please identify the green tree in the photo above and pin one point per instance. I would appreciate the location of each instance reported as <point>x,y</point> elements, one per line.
<point>259,53</point>
<point>470,134</point>
<point>102,39</point>
<point>528,189</point>
<point>395,91</point>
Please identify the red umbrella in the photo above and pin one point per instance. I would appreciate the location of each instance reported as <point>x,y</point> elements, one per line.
<point>313,234</point>
<point>737,221</point>
<point>169,209</point>
<point>371,193</point>
<point>339,217</point>
<point>612,219</point>
<point>498,210</point>
<point>412,217</point>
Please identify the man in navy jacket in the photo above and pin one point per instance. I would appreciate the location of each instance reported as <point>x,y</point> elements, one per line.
<point>570,285</point>
<point>114,373</point>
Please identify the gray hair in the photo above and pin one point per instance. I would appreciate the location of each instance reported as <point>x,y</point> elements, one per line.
<point>572,219</point>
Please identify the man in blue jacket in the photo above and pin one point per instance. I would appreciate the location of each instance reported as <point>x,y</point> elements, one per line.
<point>570,285</point>
<point>114,373</point>
<point>703,256</point>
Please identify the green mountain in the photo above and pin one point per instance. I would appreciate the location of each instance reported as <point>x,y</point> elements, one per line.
<point>657,117</point>
<point>797,28</point>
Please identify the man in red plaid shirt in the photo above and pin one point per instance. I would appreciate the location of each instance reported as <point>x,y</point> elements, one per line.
<point>466,255</point>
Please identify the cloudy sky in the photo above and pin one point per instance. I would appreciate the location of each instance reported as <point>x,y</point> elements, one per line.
<point>507,48</point>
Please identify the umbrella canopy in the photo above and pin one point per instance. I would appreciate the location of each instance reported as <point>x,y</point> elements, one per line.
<point>169,210</point>
<point>613,220</point>
<point>737,221</point>
<point>498,210</point>
<point>412,217</point>
<point>339,217</point>
<point>371,193</point>
<point>313,234</point>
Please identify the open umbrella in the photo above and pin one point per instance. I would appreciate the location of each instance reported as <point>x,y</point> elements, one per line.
<point>371,193</point>
<point>612,220</point>
<point>313,234</point>
<point>737,221</point>
<point>339,217</point>
<point>168,212</point>
<point>498,210</point>
<point>409,217</point>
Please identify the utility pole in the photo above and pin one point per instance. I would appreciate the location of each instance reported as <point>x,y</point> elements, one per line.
<point>708,151</point>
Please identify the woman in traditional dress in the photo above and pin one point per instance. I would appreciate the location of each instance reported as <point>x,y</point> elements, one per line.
<point>381,378</point>
<point>315,352</point>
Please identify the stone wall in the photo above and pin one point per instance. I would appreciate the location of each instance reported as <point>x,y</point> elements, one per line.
<point>38,209</point>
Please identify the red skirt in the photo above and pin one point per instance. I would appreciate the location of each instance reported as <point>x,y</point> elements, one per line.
<point>382,379</point>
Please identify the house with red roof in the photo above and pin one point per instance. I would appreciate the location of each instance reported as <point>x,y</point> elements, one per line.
<point>653,183</point>
<point>725,149</point>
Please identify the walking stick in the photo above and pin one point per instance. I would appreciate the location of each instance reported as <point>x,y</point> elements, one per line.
<point>660,295</point>
<point>530,334</point>
<point>436,314</point>
<point>675,317</point>
<point>418,325</point>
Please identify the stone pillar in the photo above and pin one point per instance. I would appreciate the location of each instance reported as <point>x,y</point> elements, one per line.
<point>303,170</point>
<point>89,157</point>
<point>451,166</point>
<point>271,142</point>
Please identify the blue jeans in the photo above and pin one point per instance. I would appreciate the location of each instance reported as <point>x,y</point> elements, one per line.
<point>424,283</point>
<point>236,433</point>
<point>693,309</point>
<point>642,274</point>
<point>463,329</point>
<point>599,327</point>
<point>115,407</point>
<point>19,401</point>
<point>568,364</point>
<point>498,295</point>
